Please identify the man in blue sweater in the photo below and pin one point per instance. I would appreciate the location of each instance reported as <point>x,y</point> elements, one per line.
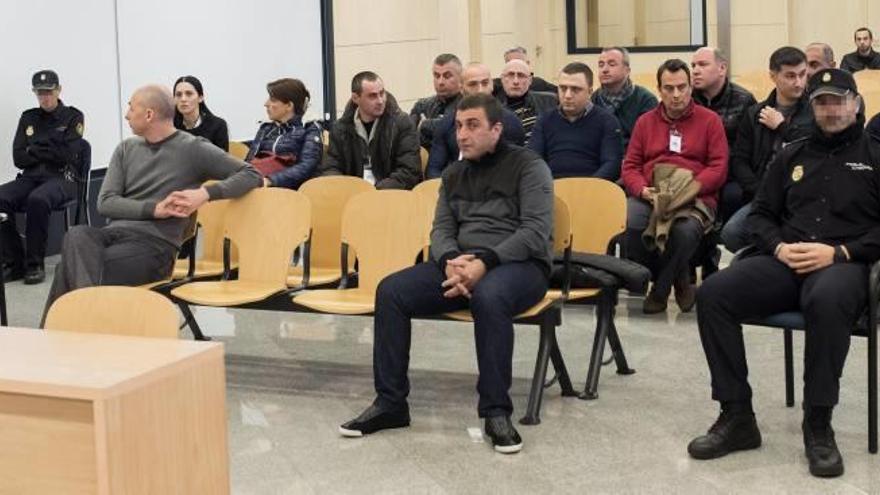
<point>578,139</point>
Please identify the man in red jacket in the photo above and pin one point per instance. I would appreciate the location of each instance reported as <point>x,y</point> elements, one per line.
<point>687,136</point>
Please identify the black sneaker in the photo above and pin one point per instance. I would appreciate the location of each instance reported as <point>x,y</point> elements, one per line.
<point>821,450</point>
<point>504,436</point>
<point>374,419</point>
<point>731,432</point>
<point>34,275</point>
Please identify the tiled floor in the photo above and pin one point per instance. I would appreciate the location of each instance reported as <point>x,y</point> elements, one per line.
<point>293,378</point>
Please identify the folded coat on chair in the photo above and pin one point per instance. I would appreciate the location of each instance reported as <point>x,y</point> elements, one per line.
<point>675,197</point>
<point>601,271</point>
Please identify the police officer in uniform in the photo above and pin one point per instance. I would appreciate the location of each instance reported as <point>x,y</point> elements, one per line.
<point>47,149</point>
<point>816,224</point>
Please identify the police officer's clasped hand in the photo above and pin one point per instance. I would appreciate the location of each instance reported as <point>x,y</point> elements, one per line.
<point>805,257</point>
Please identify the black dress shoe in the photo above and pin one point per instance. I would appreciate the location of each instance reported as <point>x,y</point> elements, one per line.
<point>685,293</point>
<point>34,275</point>
<point>653,304</point>
<point>821,451</point>
<point>731,432</point>
<point>375,419</point>
<point>504,436</point>
<point>12,272</point>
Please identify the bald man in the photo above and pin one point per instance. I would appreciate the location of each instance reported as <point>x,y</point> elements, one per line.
<point>819,56</point>
<point>538,84</point>
<point>475,79</point>
<point>516,95</point>
<point>153,184</point>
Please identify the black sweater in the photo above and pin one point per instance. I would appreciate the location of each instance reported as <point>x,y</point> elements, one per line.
<point>212,128</point>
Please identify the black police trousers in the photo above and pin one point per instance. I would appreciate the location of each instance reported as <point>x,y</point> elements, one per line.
<point>831,299</point>
<point>36,196</point>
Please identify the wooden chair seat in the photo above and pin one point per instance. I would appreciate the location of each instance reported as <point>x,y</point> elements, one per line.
<point>204,268</point>
<point>155,284</point>
<point>226,292</point>
<point>344,302</point>
<point>549,300</point>
<point>317,275</point>
<point>114,310</point>
<point>574,294</point>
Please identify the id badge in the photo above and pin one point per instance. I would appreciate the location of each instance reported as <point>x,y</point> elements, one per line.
<point>674,142</point>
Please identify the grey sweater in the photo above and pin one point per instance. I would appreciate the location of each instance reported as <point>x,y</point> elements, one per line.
<point>142,174</point>
<point>499,208</point>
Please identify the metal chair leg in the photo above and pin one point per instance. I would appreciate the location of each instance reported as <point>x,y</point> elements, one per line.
<point>789,368</point>
<point>603,323</point>
<point>559,365</point>
<point>191,321</point>
<point>617,349</point>
<point>533,409</point>
<point>872,391</point>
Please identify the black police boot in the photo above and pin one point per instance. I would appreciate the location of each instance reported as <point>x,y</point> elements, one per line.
<point>733,430</point>
<point>819,445</point>
<point>34,275</point>
<point>504,436</point>
<point>375,418</point>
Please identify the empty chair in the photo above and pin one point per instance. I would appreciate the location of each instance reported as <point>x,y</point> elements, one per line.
<point>386,234</point>
<point>211,219</point>
<point>328,197</point>
<point>114,310</point>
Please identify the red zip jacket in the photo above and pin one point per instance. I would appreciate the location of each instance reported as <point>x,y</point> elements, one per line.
<point>703,150</point>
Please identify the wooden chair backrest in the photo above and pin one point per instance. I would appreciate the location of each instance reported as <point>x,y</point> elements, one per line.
<point>328,196</point>
<point>238,149</point>
<point>758,82</point>
<point>386,230</point>
<point>267,225</point>
<point>115,310</point>
<point>428,192</point>
<point>212,221</point>
<point>867,80</point>
<point>561,225</point>
<point>646,80</point>
<point>423,155</point>
<point>597,208</point>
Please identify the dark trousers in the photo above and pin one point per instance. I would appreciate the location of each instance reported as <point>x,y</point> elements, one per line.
<point>93,256</point>
<point>673,262</point>
<point>36,197</point>
<point>504,292</point>
<point>831,299</point>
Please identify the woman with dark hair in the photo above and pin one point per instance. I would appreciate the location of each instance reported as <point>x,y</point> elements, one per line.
<point>292,149</point>
<point>192,115</point>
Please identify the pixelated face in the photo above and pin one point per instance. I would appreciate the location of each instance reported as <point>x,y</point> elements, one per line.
<point>835,113</point>
<point>48,98</point>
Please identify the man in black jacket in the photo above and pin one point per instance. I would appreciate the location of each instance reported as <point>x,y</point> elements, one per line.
<point>490,252</point>
<point>47,148</point>
<point>517,95</point>
<point>784,117</point>
<point>864,57</point>
<point>374,139</point>
<point>816,223</point>
<point>428,111</point>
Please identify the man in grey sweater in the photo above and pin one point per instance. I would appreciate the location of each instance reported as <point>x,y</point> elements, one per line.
<point>491,252</point>
<point>152,186</point>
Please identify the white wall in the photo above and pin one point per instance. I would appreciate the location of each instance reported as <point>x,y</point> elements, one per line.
<point>233,47</point>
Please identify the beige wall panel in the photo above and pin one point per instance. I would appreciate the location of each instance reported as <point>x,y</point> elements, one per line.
<point>453,37</point>
<point>848,16</point>
<point>499,16</point>
<point>759,12</point>
<point>748,55</point>
<point>405,67</point>
<point>382,21</point>
<point>494,46</point>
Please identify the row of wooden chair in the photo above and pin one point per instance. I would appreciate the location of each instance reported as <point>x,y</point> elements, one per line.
<point>386,231</point>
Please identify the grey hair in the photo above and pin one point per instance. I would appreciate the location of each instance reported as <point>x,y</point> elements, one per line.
<point>516,49</point>
<point>827,51</point>
<point>623,52</point>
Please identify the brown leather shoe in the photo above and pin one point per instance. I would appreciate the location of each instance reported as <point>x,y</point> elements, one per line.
<point>685,293</point>
<point>653,304</point>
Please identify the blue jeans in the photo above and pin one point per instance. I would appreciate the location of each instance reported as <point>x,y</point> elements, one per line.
<point>735,235</point>
<point>504,292</point>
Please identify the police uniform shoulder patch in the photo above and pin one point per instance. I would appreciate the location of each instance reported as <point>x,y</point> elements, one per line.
<point>79,128</point>
<point>797,173</point>
<point>29,131</point>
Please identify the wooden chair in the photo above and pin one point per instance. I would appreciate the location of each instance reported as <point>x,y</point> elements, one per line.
<point>647,81</point>
<point>867,80</point>
<point>114,310</point>
<point>428,192</point>
<point>757,82</point>
<point>211,219</point>
<point>266,225</point>
<point>871,97</point>
<point>238,149</point>
<point>328,197</point>
<point>423,155</point>
<point>598,215</point>
<point>386,234</point>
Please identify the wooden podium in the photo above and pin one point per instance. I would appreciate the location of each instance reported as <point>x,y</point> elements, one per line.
<point>89,413</point>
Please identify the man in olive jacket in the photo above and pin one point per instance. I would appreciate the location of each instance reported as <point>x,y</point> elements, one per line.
<point>374,139</point>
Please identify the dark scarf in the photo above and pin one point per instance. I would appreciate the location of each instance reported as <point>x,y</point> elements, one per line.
<point>617,99</point>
